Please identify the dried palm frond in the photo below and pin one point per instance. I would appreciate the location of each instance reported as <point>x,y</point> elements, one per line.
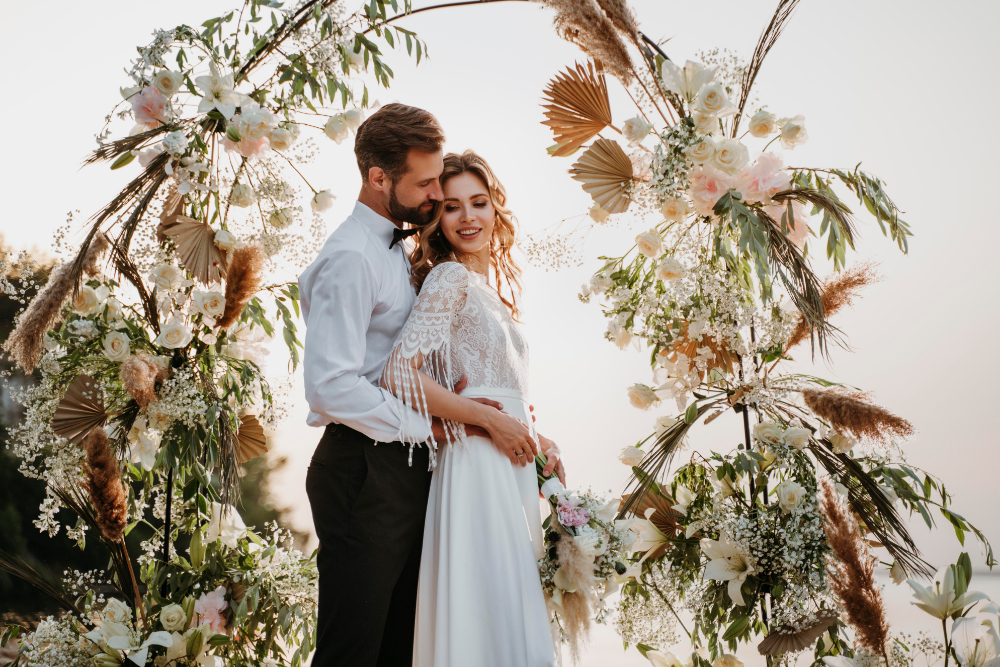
<point>195,242</point>
<point>80,410</point>
<point>852,575</point>
<point>838,292</point>
<point>13,565</point>
<point>606,174</point>
<point>721,356</point>
<point>788,639</point>
<point>852,413</point>
<point>767,39</point>
<point>250,439</point>
<point>577,107</point>
<point>664,517</point>
<point>582,22</point>
<point>244,278</point>
<point>127,269</point>
<point>839,213</point>
<point>104,484</point>
<point>870,504</point>
<point>229,462</point>
<point>113,149</point>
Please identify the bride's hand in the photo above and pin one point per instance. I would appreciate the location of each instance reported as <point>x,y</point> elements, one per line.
<point>511,436</point>
<point>554,458</point>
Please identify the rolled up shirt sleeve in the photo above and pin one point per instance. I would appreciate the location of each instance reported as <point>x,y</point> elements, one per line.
<point>339,296</point>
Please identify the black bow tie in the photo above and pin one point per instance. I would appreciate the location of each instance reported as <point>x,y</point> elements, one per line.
<point>400,234</point>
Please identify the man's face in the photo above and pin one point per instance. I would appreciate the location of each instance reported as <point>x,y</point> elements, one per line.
<point>416,197</point>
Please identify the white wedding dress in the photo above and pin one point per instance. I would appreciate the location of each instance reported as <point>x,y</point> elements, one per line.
<point>479,602</point>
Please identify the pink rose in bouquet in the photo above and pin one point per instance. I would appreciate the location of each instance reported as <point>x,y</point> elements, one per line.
<point>706,185</point>
<point>209,608</point>
<point>571,514</point>
<point>759,181</point>
<point>149,108</point>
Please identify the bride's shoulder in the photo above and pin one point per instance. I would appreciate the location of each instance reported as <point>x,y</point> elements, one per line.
<point>450,274</point>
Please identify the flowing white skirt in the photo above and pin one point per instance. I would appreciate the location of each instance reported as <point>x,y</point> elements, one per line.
<point>479,602</point>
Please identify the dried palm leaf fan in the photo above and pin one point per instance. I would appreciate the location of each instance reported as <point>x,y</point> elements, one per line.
<point>606,174</point>
<point>250,439</point>
<point>576,108</point>
<point>785,639</point>
<point>194,239</point>
<point>721,357</point>
<point>664,518</point>
<point>80,410</point>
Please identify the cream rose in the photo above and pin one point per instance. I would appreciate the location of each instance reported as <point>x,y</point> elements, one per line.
<point>322,200</point>
<point>707,125</point>
<point>793,131</point>
<point>897,574</point>
<point>281,139</point>
<point>790,495</point>
<point>631,456</point>
<point>670,269</point>
<point>797,437</point>
<point>242,195</point>
<point>713,101</point>
<point>114,310</point>
<point>167,82</point>
<point>173,618</point>
<point>281,218</point>
<point>256,124</point>
<point>116,346</point>
<point>763,123</point>
<point>211,304</point>
<point>730,155</point>
<point>598,214</point>
<point>663,423</point>
<point>768,432</point>
<point>225,241</point>
<point>173,335</point>
<point>675,210</point>
<point>701,152</point>
<point>650,243</point>
<point>354,118</point>
<point>117,611</point>
<point>336,128</point>
<point>167,277</point>
<point>642,397</point>
<point>86,302</point>
<point>842,444</point>
<point>636,129</point>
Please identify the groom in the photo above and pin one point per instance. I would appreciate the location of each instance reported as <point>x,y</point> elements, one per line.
<point>368,500</point>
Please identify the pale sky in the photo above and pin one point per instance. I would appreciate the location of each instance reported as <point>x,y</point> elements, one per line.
<point>903,87</point>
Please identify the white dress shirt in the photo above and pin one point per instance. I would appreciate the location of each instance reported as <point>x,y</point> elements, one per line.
<point>356,296</point>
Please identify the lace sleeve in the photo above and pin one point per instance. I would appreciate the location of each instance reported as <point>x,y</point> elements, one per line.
<point>425,344</point>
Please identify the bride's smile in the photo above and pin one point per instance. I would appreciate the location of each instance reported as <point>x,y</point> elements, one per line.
<point>468,219</point>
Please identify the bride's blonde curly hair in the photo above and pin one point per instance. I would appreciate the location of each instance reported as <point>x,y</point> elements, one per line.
<point>433,248</point>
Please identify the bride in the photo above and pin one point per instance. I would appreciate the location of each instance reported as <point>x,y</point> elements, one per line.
<point>479,600</point>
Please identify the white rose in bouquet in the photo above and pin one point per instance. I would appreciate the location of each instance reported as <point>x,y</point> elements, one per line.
<point>598,214</point>
<point>769,432</point>
<point>631,456</point>
<point>763,123</point>
<point>173,335</point>
<point>797,437</point>
<point>713,101</point>
<point>117,611</point>
<point>663,423</point>
<point>225,241</point>
<point>173,618</point>
<point>642,397</point>
<point>793,131</point>
<point>730,155</point>
<point>116,346</point>
<point>167,277</point>
<point>701,152</point>
<point>210,304</point>
<point>354,118</point>
<point>675,210</point>
<point>167,82</point>
<point>242,195</point>
<point>336,128</point>
<point>281,218</point>
<point>650,244</point>
<point>281,139</point>
<point>175,142</point>
<point>670,269</point>
<point>322,200</point>
<point>842,444</point>
<point>789,494</point>
<point>114,310</point>
<point>86,302</point>
<point>256,123</point>
<point>636,129</point>
<point>707,125</point>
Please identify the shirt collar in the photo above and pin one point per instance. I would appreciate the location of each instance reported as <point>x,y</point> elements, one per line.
<point>383,227</point>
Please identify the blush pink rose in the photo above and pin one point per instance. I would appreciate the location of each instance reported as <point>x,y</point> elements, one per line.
<point>571,514</point>
<point>209,608</point>
<point>706,185</point>
<point>247,147</point>
<point>149,107</point>
<point>760,181</point>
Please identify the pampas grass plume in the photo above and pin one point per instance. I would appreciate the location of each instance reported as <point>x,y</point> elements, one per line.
<point>139,374</point>
<point>578,606</point>
<point>852,413</point>
<point>839,292</point>
<point>583,23</point>
<point>243,279</point>
<point>96,250</point>
<point>104,484</point>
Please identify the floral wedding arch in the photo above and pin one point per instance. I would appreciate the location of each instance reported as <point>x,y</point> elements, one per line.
<point>150,393</point>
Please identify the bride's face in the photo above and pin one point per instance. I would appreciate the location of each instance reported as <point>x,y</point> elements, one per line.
<point>468,217</point>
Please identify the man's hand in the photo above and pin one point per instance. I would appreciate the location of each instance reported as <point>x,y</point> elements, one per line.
<point>437,428</point>
<point>554,459</point>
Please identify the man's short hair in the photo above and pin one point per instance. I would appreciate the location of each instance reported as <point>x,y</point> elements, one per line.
<point>385,139</point>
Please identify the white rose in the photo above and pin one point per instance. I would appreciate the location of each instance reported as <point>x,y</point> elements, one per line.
<point>242,195</point>
<point>701,152</point>
<point>354,118</point>
<point>322,200</point>
<point>174,335</point>
<point>670,269</point>
<point>763,123</point>
<point>86,302</point>
<point>768,432</point>
<point>281,139</point>
<point>650,244</point>
<point>675,210</point>
<point>211,304</point>
<point>598,214</point>
<point>175,142</point>
<point>619,334</point>
<point>790,495</point>
<point>713,101</point>
<point>336,128</point>
<point>281,218</point>
<point>356,60</point>
<point>730,155</point>
<point>897,574</point>
<point>663,423</point>
<point>255,124</point>
<point>636,129</point>
<point>116,346</point>
<point>705,124</point>
<point>631,456</point>
<point>173,618</point>
<point>167,277</point>
<point>728,660</point>
<point>642,397</point>
<point>797,437</point>
<point>225,241</point>
<point>168,82</point>
<point>842,444</point>
<point>114,310</point>
<point>117,611</point>
<point>793,131</point>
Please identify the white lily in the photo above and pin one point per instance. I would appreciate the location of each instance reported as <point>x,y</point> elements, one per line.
<point>684,497</point>
<point>663,658</point>
<point>976,644</point>
<point>105,630</point>
<point>138,654</point>
<point>839,661</point>
<point>941,601</point>
<point>608,513</point>
<point>649,536</point>
<point>728,563</point>
<point>227,529</point>
<point>219,93</point>
<point>686,81</point>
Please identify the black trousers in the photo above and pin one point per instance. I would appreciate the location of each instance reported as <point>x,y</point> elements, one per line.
<point>368,507</point>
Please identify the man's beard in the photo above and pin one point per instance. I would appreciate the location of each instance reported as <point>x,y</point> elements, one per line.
<point>411,214</point>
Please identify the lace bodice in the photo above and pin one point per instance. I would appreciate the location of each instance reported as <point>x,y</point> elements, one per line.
<point>461,327</point>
